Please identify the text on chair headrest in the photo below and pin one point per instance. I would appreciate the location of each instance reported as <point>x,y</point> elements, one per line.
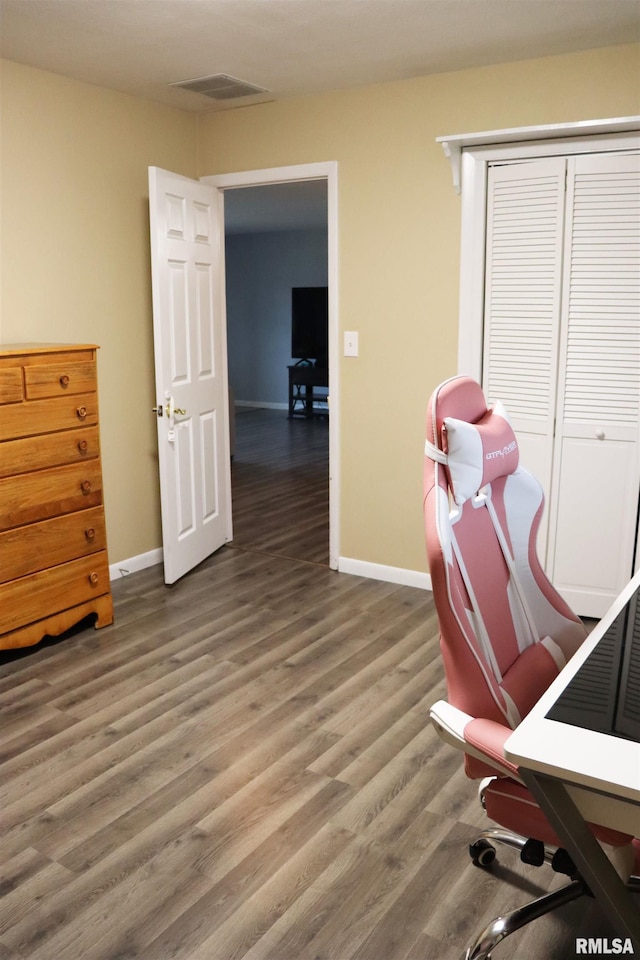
<point>478,453</point>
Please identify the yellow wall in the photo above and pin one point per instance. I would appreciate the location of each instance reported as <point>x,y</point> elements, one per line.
<point>399,224</point>
<point>75,261</point>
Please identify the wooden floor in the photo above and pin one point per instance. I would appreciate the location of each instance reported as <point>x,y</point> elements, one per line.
<point>280,484</point>
<point>242,768</point>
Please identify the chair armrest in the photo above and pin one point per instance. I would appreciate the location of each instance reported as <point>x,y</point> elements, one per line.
<point>450,723</point>
<point>482,739</point>
<point>490,737</point>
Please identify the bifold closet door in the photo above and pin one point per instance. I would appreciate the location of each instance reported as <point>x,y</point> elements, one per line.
<point>562,350</point>
<point>596,459</point>
<point>523,286</point>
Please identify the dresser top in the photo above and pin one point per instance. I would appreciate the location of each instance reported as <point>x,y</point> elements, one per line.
<point>8,349</point>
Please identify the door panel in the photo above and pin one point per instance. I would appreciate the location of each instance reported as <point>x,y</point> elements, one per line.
<point>595,521</point>
<point>525,228</point>
<point>190,359</point>
<point>185,467</point>
<point>210,484</point>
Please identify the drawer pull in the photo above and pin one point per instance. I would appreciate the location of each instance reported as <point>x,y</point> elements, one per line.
<point>93,578</point>
<point>85,486</point>
<point>83,446</point>
<point>90,534</point>
<point>82,412</point>
<point>64,380</point>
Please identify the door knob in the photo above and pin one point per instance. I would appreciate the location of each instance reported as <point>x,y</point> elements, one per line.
<point>168,410</point>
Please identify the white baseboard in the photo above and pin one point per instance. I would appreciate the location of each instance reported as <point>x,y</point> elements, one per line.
<point>134,564</point>
<point>379,571</point>
<point>260,403</point>
<point>358,568</point>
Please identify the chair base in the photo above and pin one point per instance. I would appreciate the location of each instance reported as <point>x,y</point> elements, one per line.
<point>486,839</point>
<point>501,927</point>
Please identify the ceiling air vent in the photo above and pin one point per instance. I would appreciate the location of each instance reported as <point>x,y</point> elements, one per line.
<point>220,87</point>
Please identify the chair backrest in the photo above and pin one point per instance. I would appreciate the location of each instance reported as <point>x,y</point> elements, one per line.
<point>505,632</point>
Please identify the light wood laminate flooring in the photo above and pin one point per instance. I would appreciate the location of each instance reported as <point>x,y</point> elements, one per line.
<point>280,485</point>
<point>242,768</point>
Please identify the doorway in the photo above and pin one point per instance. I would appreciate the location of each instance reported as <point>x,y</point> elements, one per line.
<point>282,467</point>
<point>275,242</point>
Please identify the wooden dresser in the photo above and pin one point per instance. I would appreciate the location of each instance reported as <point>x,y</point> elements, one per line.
<point>53,552</point>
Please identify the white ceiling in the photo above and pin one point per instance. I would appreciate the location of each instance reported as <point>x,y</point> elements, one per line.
<point>295,47</point>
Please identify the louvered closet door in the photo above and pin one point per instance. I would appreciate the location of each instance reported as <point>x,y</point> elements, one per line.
<point>596,461</point>
<point>525,229</point>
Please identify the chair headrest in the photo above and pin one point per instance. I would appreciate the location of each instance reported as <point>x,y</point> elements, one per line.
<point>480,452</point>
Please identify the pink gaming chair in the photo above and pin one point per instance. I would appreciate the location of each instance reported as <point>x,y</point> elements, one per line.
<point>505,633</point>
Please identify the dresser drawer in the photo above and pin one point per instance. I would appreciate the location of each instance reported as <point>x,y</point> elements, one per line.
<point>36,546</point>
<point>48,493</point>
<point>49,450</point>
<point>56,379</point>
<point>58,588</point>
<point>11,385</point>
<point>48,416</point>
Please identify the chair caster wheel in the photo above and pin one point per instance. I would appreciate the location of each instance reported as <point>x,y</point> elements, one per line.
<point>482,853</point>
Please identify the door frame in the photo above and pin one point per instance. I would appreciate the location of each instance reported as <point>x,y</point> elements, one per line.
<point>328,171</point>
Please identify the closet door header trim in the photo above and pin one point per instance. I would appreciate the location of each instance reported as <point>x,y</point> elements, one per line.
<point>454,144</point>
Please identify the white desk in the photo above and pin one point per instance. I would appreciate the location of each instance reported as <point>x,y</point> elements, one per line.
<point>579,775</point>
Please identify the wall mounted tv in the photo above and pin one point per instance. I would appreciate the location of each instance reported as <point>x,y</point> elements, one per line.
<point>310,324</point>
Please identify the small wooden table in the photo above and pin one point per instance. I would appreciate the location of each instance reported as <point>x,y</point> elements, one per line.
<point>302,381</point>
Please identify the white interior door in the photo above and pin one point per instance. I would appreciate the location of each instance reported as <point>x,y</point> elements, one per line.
<point>191,369</point>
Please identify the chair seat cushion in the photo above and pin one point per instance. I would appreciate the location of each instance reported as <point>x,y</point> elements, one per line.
<point>510,804</point>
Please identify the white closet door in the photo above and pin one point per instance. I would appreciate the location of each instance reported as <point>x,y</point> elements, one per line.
<point>525,229</point>
<point>596,460</point>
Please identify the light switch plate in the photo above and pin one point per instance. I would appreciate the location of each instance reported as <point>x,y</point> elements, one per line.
<point>350,343</point>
